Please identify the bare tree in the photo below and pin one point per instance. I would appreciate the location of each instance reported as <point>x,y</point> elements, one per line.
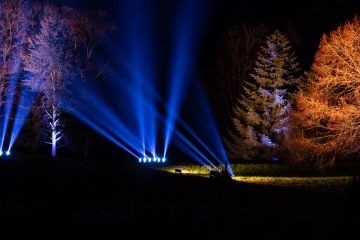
<point>326,121</point>
<point>87,29</point>
<point>49,65</point>
<point>14,16</point>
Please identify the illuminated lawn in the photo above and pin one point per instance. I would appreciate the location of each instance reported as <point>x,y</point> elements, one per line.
<point>278,175</point>
<point>305,183</point>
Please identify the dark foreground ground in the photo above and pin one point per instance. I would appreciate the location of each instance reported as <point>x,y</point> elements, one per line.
<point>61,199</point>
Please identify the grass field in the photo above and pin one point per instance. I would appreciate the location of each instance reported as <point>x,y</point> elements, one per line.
<point>100,199</point>
<point>279,175</point>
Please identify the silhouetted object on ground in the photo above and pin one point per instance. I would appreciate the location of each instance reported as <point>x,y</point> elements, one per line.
<point>355,183</point>
<point>354,192</point>
<point>224,175</point>
<point>177,170</point>
<point>215,174</point>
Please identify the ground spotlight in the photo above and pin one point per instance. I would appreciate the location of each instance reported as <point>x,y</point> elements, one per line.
<point>7,153</point>
<point>150,160</point>
<point>1,153</point>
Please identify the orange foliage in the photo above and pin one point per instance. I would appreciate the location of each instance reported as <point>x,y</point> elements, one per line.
<point>327,116</point>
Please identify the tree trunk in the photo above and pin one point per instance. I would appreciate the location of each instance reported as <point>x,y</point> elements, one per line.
<point>53,132</point>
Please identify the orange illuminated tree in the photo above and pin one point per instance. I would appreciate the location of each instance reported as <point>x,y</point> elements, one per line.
<point>326,121</point>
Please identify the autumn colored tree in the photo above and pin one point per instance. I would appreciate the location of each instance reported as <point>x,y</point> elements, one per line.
<point>262,114</point>
<point>326,121</point>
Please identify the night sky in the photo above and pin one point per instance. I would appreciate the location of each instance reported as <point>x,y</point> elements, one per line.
<point>311,19</point>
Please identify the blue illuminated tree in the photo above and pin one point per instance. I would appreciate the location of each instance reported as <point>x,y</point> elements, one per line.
<point>14,26</point>
<point>49,64</point>
<point>262,114</point>
<point>58,57</point>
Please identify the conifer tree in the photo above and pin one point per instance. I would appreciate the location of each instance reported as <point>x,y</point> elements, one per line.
<point>261,117</point>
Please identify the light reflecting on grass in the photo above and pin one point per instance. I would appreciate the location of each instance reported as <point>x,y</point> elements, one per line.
<point>185,169</point>
<point>273,175</point>
<point>304,183</point>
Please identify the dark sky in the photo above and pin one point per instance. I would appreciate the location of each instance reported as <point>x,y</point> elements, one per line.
<point>311,18</point>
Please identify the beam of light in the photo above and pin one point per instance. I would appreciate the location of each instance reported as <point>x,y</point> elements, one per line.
<point>22,111</point>
<point>9,99</point>
<point>136,103</point>
<point>209,130</point>
<point>106,133</point>
<point>200,134</point>
<point>190,149</point>
<point>142,56</point>
<point>104,120</point>
<point>185,41</point>
<point>137,93</point>
<point>112,115</point>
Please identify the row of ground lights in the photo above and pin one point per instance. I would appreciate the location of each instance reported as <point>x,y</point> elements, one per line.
<point>146,159</point>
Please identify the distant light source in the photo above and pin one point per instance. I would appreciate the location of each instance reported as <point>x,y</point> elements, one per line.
<point>7,153</point>
<point>153,159</point>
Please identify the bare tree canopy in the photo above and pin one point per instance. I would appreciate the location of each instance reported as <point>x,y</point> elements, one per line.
<point>326,122</point>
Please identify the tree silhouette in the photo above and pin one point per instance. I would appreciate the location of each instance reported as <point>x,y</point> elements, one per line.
<point>227,74</point>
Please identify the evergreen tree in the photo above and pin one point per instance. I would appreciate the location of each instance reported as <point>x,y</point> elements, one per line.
<point>261,117</point>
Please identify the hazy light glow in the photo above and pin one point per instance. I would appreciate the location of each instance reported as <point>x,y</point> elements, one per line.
<point>141,109</point>
<point>8,106</point>
<point>22,112</point>
<point>185,39</point>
